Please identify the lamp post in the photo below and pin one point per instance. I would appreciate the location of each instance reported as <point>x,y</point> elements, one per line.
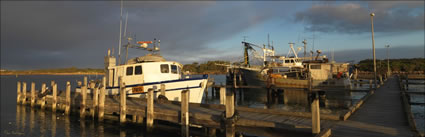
<point>388,61</point>
<point>373,47</point>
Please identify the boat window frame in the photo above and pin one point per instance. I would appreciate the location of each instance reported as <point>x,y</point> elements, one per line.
<point>132,71</point>
<point>176,70</point>
<point>162,68</point>
<point>135,70</point>
<point>316,66</point>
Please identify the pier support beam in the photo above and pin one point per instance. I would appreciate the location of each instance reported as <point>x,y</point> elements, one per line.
<point>68,98</point>
<point>223,95</point>
<point>95,93</point>
<point>102,99</point>
<point>123,103</point>
<point>18,92</point>
<point>54,97</point>
<point>83,101</point>
<point>230,111</point>
<point>43,99</point>
<point>370,84</point>
<point>315,115</point>
<point>162,89</point>
<point>24,93</point>
<point>150,111</point>
<point>32,94</point>
<point>185,113</point>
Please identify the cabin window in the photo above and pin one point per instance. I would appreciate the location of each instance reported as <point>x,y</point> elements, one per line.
<point>315,66</point>
<point>129,71</point>
<point>174,69</point>
<point>164,68</point>
<point>286,61</point>
<point>138,70</point>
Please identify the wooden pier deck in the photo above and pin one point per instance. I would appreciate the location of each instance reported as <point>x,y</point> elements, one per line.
<point>381,116</point>
<point>96,105</point>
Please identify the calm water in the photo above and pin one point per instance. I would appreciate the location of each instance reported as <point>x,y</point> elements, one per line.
<point>418,110</point>
<point>22,121</point>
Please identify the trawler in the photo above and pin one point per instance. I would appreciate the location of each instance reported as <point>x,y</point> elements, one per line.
<point>293,71</point>
<point>151,71</point>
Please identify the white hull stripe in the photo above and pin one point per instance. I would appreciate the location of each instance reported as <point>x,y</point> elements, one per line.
<point>167,90</point>
<point>161,82</point>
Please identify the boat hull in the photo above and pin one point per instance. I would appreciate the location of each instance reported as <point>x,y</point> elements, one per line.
<point>173,89</point>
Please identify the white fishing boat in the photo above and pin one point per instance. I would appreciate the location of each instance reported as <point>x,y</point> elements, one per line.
<point>151,71</point>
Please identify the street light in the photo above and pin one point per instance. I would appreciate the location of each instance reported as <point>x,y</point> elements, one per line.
<point>373,47</point>
<point>388,62</point>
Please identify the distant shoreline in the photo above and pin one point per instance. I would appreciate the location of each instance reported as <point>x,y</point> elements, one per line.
<point>49,73</point>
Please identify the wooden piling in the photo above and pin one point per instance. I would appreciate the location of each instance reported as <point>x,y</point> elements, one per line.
<point>43,99</point>
<point>18,92</point>
<point>95,101</point>
<point>315,115</point>
<point>83,95</point>
<point>54,97</point>
<point>370,84</point>
<point>32,94</point>
<point>123,102</point>
<point>85,81</point>
<point>185,113</point>
<point>150,111</point>
<point>163,89</point>
<point>380,80</point>
<point>223,95</point>
<point>24,93</point>
<point>102,100</point>
<point>230,111</point>
<point>68,98</point>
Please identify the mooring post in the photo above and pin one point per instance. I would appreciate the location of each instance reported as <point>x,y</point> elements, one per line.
<point>32,94</point>
<point>43,99</point>
<point>91,85</point>
<point>102,100</point>
<point>83,101</point>
<point>24,93</point>
<point>315,114</point>
<point>163,89</point>
<point>222,95</point>
<point>123,96</point>
<point>85,81</point>
<point>380,80</point>
<point>230,111</point>
<point>54,97</point>
<point>185,113</point>
<point>95,101</point>
<point>150,112</point>
<point>18,92</point>
<point>68,98</point>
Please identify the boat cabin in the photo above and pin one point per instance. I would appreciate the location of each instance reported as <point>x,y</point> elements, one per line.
<point>144,69</point>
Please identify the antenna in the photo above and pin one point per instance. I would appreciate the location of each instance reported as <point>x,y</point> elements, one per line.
<point>244,38</point>
<point>125,28</point>
<point>268,40</point>
<point>119,44</point>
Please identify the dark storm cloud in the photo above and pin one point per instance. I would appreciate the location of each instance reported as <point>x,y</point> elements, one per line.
<point>64,34</point>
<point>353,18</point>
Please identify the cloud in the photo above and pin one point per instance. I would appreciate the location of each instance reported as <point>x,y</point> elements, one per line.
<point>68,33</point>
<point>354,18</point>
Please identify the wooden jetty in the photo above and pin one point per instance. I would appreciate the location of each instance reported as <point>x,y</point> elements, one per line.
<point>382,115</point>
<point>147,110</point>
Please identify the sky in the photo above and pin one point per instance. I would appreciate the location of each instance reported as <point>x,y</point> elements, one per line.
<point>60,34</point>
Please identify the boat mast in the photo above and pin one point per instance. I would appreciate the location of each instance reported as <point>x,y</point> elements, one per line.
<point>119,44</point>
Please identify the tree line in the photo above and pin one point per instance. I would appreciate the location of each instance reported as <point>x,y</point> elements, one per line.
<point>405,65</point>
<point>209,67</point>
